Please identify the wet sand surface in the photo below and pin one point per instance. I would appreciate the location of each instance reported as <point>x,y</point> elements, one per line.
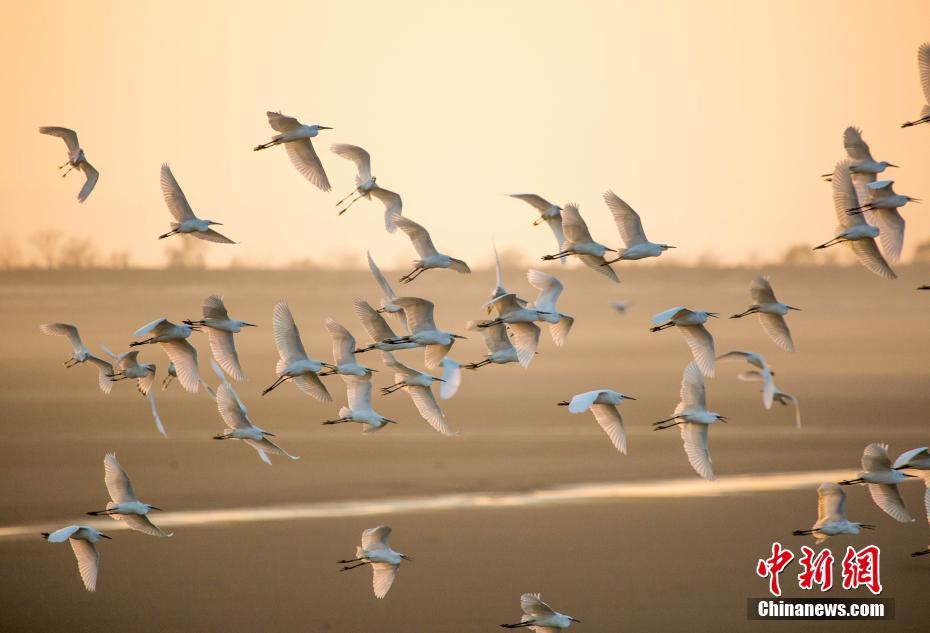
<point>677,564</point>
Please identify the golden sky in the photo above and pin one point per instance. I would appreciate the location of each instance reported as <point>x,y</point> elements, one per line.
<point>713,119</point>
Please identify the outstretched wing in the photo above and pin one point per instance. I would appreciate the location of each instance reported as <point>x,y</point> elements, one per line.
<point>223,346</point>
<point>305,160</point>
<point>393,205</point>
<point>525,340</point>
<point>212,236</point>
<point>184,357</point>
<point>67,330</point>
<point>856,148</point>
<point>888,498</point>
<point>88,560</point>
<point>343,342</point>
<point>608,416</point>
<point>117,481</point>
<point>775,326</point>
<point>286,335</point>
<point>426,404</point>
<point>694,438</point>
<point>141,523</point>
<point>761,291</point>
<point>418,235</point>
<point>627,220</point>
<point>281,122</point>
<point>174,197</point>
<point>91,176</point>
<point>701,343</point>
<point>866,251</point>
<point>537,202</point>
<point>70,136</point>
<point>573,225</point>
<point>383,575</point>
<point>357,155</point>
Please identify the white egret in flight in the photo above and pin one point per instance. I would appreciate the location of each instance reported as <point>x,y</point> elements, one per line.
<point>549,213</point>
<point>852,228</point>
<point>358,390</point>
<point>173,340</point>
<point>128,367</point>
<point>917,459</point>
<point>423,330</point>
<point>550,289</point>
<point>124,505</point>
<point>76,159</point>
<point>388,294</point>
<point>376,552</point>
<point>757,361</point>
<point>630,226</point>
<point>831,515</point>
<point>882,480</point>
<point>578,241</point>
<point>294,364</point>
<point>923,66</point>
<point>691,325</point>
<point>186,222</point>
<point>500,348</point>
<point>240,427</point>
<point>344,352</point>
<point>429,256</point>
<point>418,385</point>
<point>80,353</point>
<point>378,329</point>
<point>692,416</point>
<point>883,208</point>
<point>771,313</point>
<point>83,541</point>
<point>295,137</point>
<point>604,404</point>
<point>539,616</point>
<point>366,185</point>
<point>779,396</point>
<point>220,329</point>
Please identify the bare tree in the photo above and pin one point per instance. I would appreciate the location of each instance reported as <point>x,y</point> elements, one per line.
<point>119,260</point>
<point>46,243</point>
<point>11,256</point>
<point>77,254</point>
<point>186,253</point>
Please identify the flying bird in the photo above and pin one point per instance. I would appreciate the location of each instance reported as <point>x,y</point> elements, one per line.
<point>604,404</point>
<point>388,295</point>
<point>76,159</point>
<point>429,256</point>
<point>499,290</point>
<point>376,551</point>
<point>549,213</point>
<point>186,222</point>
<point>519,321</point>
<point>923,66</point>
<point>171,375</point>
<point>882,481</point>
<point>771,313</point>
<point>550,289</point>
<point>360,410</point>
<point>423,330</point>
<point>83,541</point>
<point>366,185</point>
<point>883,208</point>
<point>377,328</point>
<point>779,396</point>
<point>240,427</point>
<point>578,241</point>
<point>220,329</point>
<point>294,364</point>
<point>539,616</point>
<point>620,306</point>
<point>344,352</point>
<point>692,416</point>
<point>128,367</point>
<point>831,515</point>
<point>124,505</point>
<point>500,348</point>
<point>295,137</point>
<point>418,385</point>
<point>631,230</point>
<point>80,353</point>
<point>917,459</point>
<point>757,361</point>
<point>852,228</point>
<point>862,166</point>
<point>691,325</point>
<point>173,340</point>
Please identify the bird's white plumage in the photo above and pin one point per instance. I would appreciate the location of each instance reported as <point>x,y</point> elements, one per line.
<point>628,222</point>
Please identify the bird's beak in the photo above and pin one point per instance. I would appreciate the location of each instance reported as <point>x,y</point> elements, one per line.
<point>250,324</point>
<point>722,418</point>
<point>892,165</point>
<point>908,475</point>
<point>323,127</point>
<point>267,433</point>
<point>574,619</point>
<point>390,421</point>
<point>405,557</point>
<point>458,336</point>
<point>629,398</point>
<point>713,314</point>
<point>106,537</point>
<point>154,508</point>
<point>218,223</point>
<point>670,246</point>
<point>793,308</point>
<point>915,200</point>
